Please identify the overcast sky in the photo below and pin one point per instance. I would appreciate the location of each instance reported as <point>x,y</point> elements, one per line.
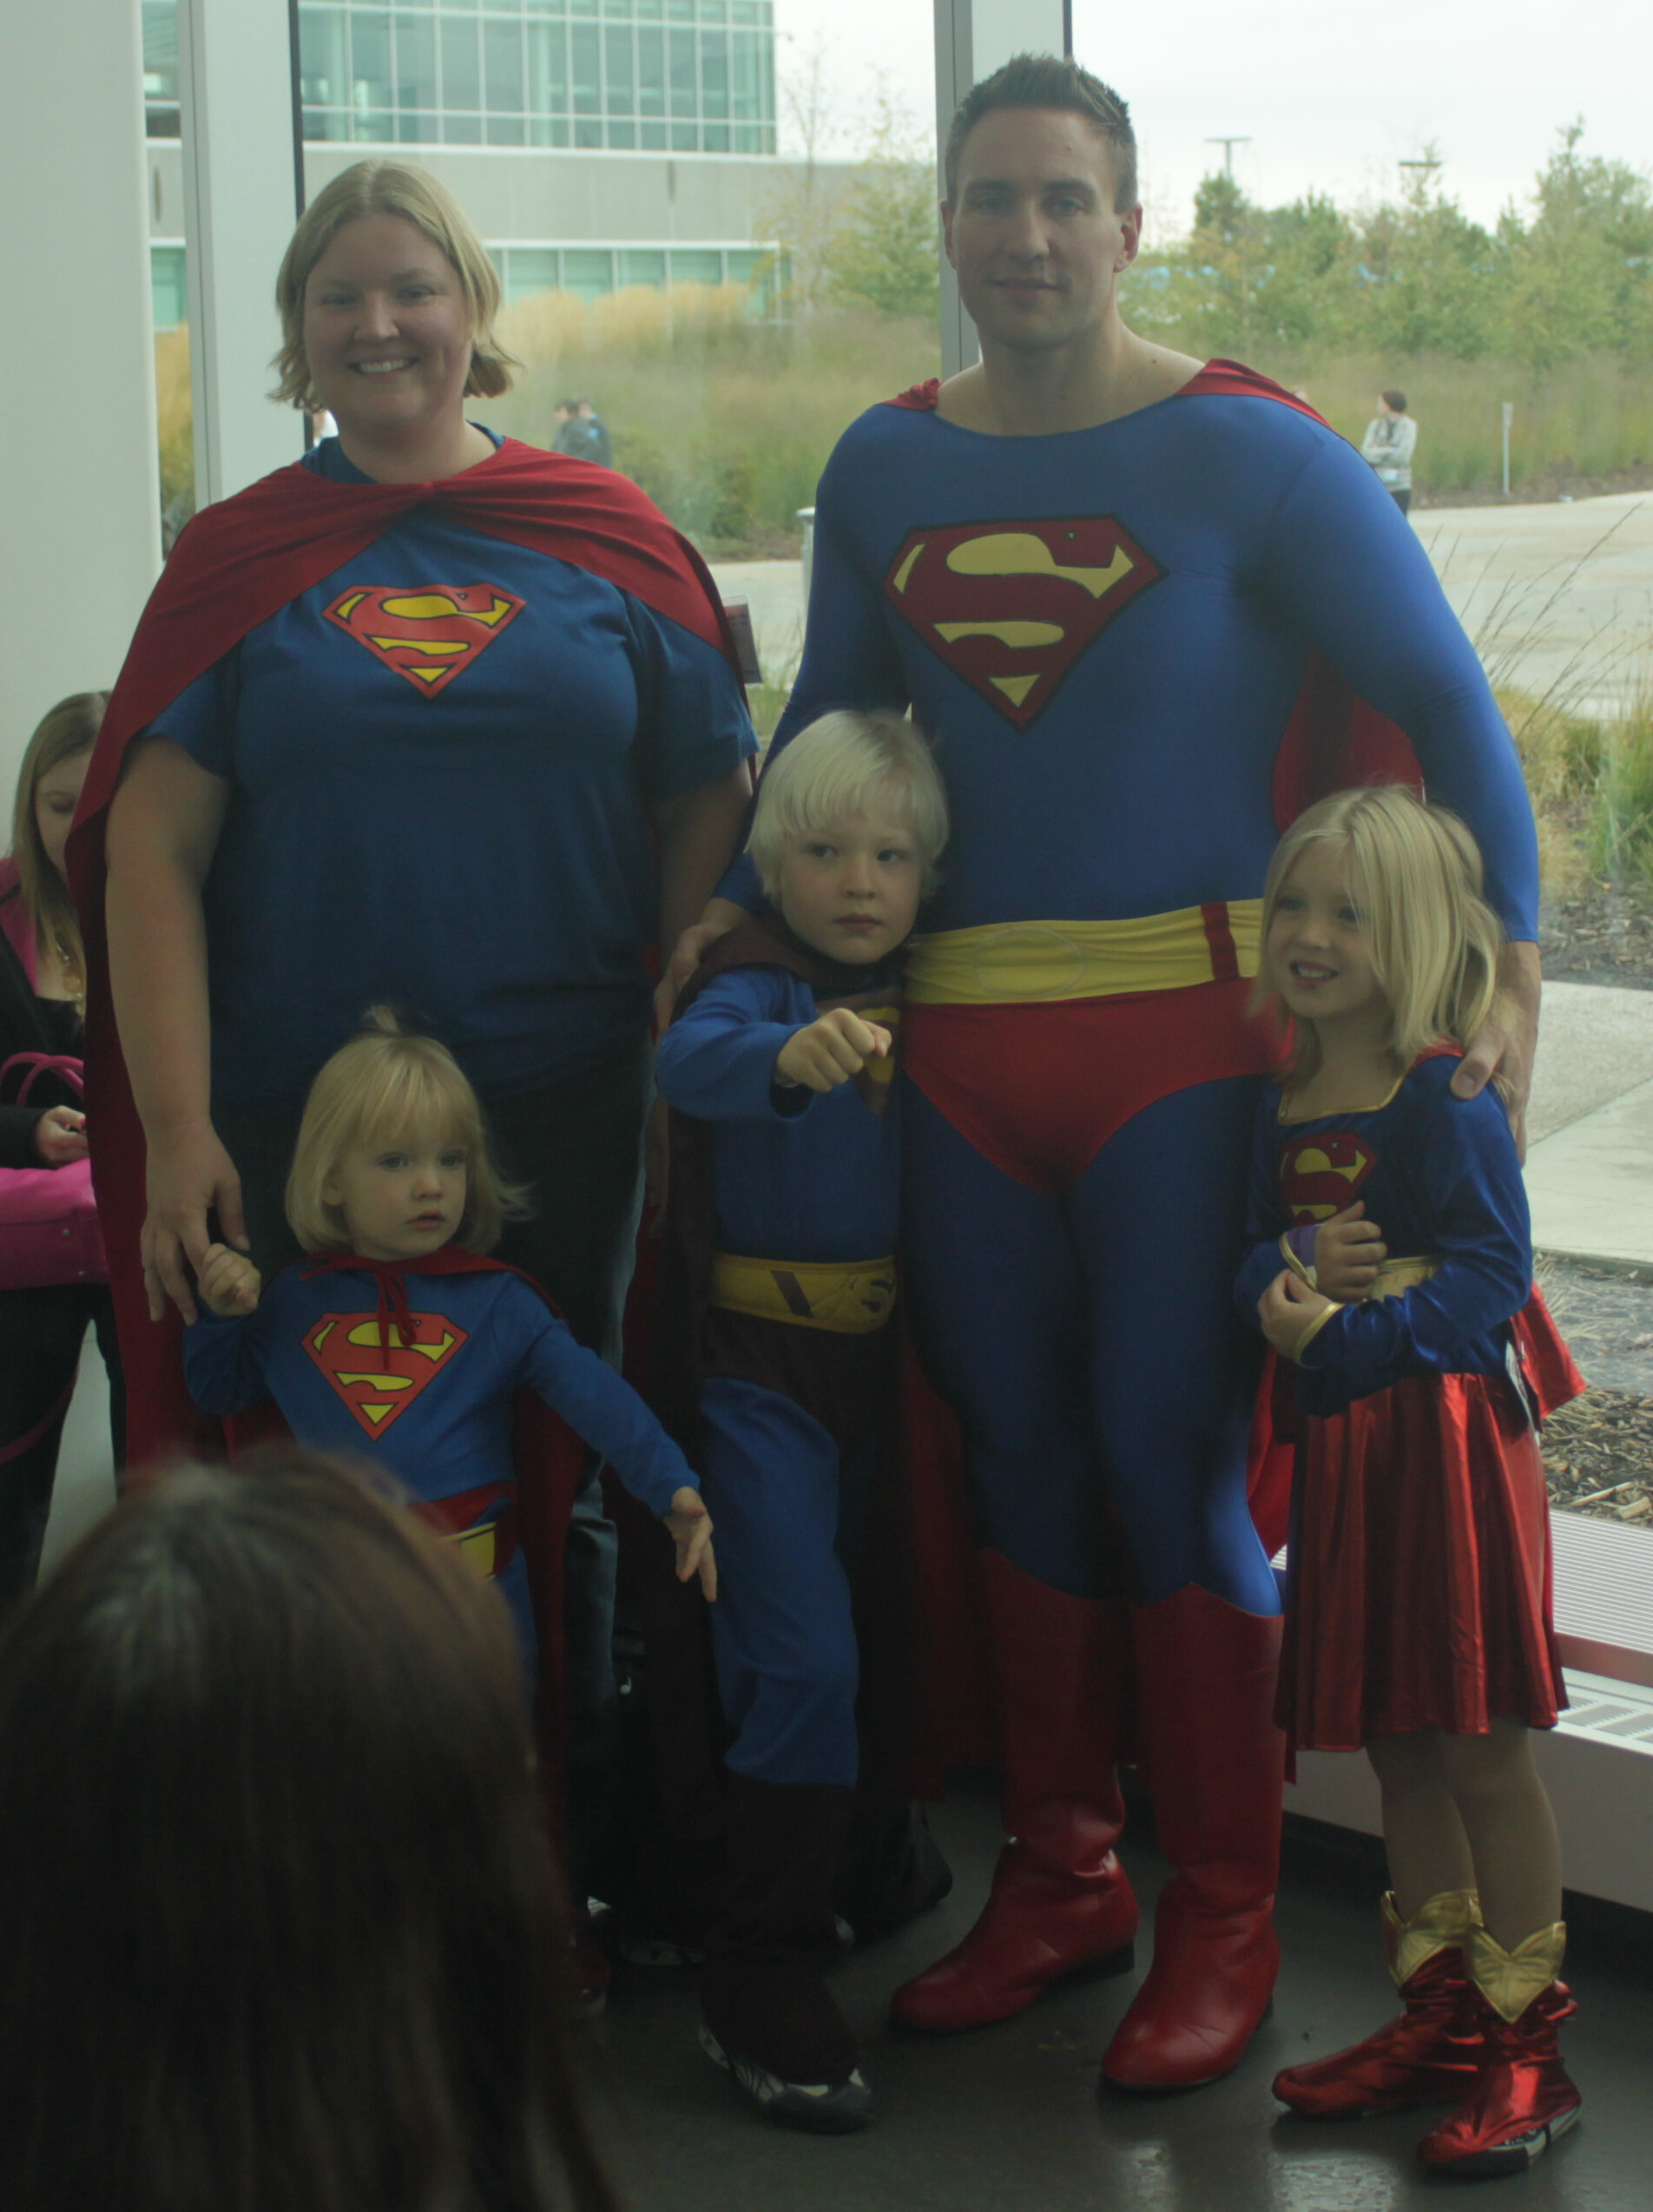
<point>1330,95</point>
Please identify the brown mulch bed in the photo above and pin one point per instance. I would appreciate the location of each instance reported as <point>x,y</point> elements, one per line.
<point>1598,1451</point>
<point>1541,487</point>
<point>1602,933</point>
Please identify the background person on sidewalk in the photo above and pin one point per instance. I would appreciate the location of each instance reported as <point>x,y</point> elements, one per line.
<point>1390,441</point>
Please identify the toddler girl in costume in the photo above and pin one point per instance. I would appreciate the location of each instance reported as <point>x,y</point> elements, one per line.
<point>784,1200</point>
<point>396,1339</point>
<point>1418,1619</point>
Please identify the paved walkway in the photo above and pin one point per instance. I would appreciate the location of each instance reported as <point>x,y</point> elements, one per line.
<point>1590,1155</point>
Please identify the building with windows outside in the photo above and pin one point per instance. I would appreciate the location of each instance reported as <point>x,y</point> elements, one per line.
<point>596,144</point>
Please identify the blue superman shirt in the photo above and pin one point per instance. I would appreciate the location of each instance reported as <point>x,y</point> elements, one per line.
<point>441,761</point>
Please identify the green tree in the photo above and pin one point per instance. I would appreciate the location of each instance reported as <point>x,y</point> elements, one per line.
<point>883,254</point>
<point>1431,279</point>
<point>1581,272</point>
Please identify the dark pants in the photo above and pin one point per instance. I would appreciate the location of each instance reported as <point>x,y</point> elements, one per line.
<point>1402,499</point>
<point>579,1144</point>
<point>41,1334</point>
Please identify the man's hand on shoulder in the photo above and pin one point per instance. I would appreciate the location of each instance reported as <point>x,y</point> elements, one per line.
<point>1506,1042</point>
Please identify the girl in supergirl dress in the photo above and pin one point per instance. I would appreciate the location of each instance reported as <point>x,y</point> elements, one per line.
<point>1390,1263</point>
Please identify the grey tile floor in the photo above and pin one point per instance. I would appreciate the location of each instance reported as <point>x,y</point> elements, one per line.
<point>1008,2119</point>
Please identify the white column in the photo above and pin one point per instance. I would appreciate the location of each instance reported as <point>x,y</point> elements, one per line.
<point>79,488</point>
<point>973,38</point>
<point>235,85</point>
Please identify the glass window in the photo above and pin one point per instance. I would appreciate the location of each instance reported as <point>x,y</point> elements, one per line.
<point>369,68</point>
<point>584,55</point>
<point>161,69</point>
<point>588,274</point>
<point>548,87</point>
<point>684,85</point>
<point>322,70</point>
<point>698,265</point>
<point>502,53</point>
<point>715,76</point>
<point>168,293</point>
<point>415,62</point>
<point>529,269</point>
<point>746,77</point>
<point>618,70</point>
<point>637,267</point>
<point>651,73</point>
<point>461,66</point>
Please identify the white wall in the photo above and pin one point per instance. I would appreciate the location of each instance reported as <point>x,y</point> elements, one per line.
<point>78,485</point>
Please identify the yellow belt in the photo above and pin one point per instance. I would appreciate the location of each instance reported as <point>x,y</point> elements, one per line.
<point>1006,962</point>
<point>853,1297</point>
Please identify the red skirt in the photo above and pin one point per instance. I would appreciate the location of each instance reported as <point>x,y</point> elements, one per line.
<point>1420,1584</point>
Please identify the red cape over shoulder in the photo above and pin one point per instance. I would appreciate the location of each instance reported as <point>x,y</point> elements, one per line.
<point>238,564</point>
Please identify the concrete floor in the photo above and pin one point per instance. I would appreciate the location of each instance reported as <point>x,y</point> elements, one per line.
<point>1008,2119</point>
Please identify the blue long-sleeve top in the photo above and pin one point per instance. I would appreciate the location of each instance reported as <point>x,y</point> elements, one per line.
<point>436,1415</point>
<point>1439,1176</point>
<point>798,1175</point>
<point>1107,632</point>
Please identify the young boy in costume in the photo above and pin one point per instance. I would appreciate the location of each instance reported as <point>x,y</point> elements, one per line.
<point>785,1195</point>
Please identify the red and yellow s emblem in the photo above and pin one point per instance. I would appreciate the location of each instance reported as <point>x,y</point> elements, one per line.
<point>1320,1175</point>
<point>1010,606</point>
<point>428,632</point>
<point>379,1382</point>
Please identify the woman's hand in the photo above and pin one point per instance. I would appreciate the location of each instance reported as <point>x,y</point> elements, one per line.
<point>228,1282</point>
<point>189,1176</point>
<point>831,1051</point>
<point>60,1135</point>
<point>1288,1310</point>
<point>691,1534</point>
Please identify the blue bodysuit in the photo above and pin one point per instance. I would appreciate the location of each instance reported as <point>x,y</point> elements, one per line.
<point>434,1411</point>
<point>794,1360</point>
<point>1115,638</point>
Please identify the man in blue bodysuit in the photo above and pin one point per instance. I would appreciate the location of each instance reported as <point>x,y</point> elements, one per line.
<point>1118,591</point>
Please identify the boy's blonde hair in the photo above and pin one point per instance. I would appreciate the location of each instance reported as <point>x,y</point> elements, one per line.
<point>1414,875</point>
<point>389,1085</point>
<point>419,198</point>
<point>848,763</point>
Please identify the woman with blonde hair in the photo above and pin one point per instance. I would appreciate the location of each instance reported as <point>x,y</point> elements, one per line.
<point>52,1276</point>
<point>430,717</point>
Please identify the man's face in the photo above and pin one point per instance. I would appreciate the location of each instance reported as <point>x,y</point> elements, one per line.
<point>1032,230</point>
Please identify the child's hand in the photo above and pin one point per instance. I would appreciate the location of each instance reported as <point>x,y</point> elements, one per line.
<point>228,1282</point>
<point>1348,1251</point>
<point>60,1135</point>
<point>691,1532</point>
<point>1287,1308</point>
<point>830,1051</point>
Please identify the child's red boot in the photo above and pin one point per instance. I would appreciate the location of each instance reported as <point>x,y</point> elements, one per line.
<point>1523,2098</point>
<point>1432,2054</point>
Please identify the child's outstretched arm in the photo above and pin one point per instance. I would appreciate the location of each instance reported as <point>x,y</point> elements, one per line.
<point>736,1054</point>
<point>223,1346</point>
<point>538,1352</point>
<point>830,1051</point>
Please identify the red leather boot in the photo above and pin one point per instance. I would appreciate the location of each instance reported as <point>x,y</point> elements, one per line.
<point>1433,2053</point>
<point>1060,1900</point>
<point>1523,2098</point>
<point>1214,1760</point>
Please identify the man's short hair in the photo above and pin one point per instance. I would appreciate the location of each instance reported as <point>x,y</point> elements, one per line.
<point>1395,401</point>
<point>1049,80</point>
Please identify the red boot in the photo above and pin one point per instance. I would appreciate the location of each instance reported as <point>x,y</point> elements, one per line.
<point>1433,2053</point>
<point>1060,1900</point>
<point>1205,1690</point>
<point>1521,2099</point>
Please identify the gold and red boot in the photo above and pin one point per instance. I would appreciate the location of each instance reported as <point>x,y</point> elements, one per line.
<point>1060,1901</point>
<point>1523,2098</point>
<point>1214,1761</point>
<point>1433,2053</point>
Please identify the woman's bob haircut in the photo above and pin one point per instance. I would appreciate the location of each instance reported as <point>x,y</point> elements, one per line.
<point>1414,875</point>
<point>848,763</point>
<point>283,1927</point>
<point>419,198</point>
<point>65,731</point>
<point>385,1086</point>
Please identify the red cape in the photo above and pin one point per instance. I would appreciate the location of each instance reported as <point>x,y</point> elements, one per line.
<point>238,564</point>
